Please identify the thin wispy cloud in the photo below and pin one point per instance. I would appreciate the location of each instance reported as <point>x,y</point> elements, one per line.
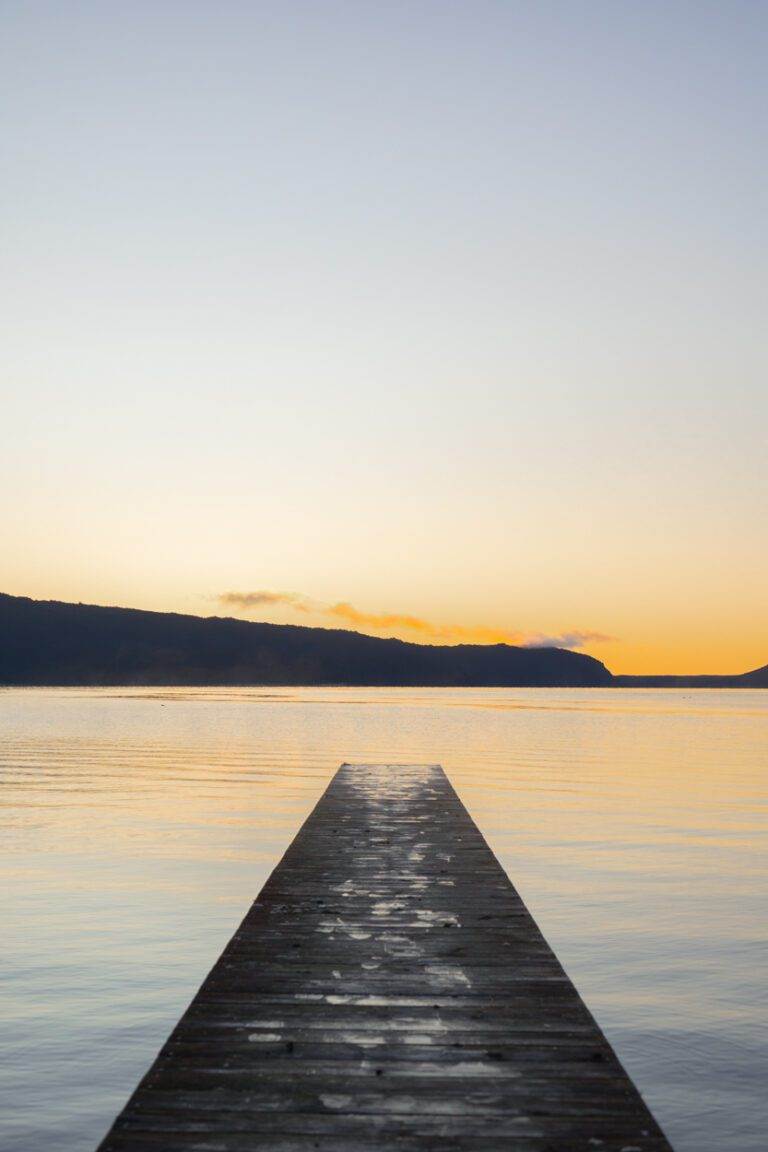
<point>379,621</point>
<point>397,623</point>
<point>448,633</point>
<point>247,601</point>
<point>567,640</point>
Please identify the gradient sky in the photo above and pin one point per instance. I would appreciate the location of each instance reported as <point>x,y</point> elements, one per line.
<point>449,311</point>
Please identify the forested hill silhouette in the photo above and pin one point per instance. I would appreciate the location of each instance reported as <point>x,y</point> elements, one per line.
<point>49,642</point>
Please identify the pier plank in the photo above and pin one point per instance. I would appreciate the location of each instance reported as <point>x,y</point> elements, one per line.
<point>388,990</point>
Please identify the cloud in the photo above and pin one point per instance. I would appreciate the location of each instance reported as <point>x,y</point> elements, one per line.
<point>397,623</point>
<point>380,622</point>
<point>246,601</point>
<point>567,640</point>
<point>458,633</point>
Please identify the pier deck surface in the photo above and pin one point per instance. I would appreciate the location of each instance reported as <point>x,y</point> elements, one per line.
<point>388,990</point>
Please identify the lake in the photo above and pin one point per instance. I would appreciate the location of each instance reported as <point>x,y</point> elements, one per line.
<point>139,824</point>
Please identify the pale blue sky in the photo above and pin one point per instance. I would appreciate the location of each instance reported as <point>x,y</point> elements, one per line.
<point>451,309</point>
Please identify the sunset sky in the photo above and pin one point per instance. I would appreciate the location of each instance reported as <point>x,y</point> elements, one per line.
<point>434,319</point>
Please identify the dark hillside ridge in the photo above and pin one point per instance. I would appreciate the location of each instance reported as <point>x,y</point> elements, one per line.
<point>46,642</point>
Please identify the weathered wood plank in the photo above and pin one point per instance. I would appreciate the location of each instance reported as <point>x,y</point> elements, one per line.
<point>388,990</point>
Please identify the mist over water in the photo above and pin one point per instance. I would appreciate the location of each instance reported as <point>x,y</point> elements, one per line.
<point>139,824</point>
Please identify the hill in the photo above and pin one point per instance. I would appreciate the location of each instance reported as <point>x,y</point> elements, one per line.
<point>46,642</point>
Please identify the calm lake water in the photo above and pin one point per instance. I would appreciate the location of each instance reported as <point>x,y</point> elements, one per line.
<point>138,825</point>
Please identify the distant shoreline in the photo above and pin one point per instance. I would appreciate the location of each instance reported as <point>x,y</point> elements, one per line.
<point>619,683</point>
<point>681,684</point>
<point>738,681</point>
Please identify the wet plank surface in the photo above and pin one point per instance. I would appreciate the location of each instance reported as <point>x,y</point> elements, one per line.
<point>388,990</point>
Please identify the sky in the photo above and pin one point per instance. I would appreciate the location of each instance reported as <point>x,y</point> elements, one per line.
<point>438,320</point>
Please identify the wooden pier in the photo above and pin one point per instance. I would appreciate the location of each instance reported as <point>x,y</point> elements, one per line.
<point>388,990</point>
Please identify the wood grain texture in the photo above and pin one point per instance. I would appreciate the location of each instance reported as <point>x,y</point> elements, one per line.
<point>388,990</point>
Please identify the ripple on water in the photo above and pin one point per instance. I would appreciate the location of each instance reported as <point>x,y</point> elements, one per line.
<point>138,824</point>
